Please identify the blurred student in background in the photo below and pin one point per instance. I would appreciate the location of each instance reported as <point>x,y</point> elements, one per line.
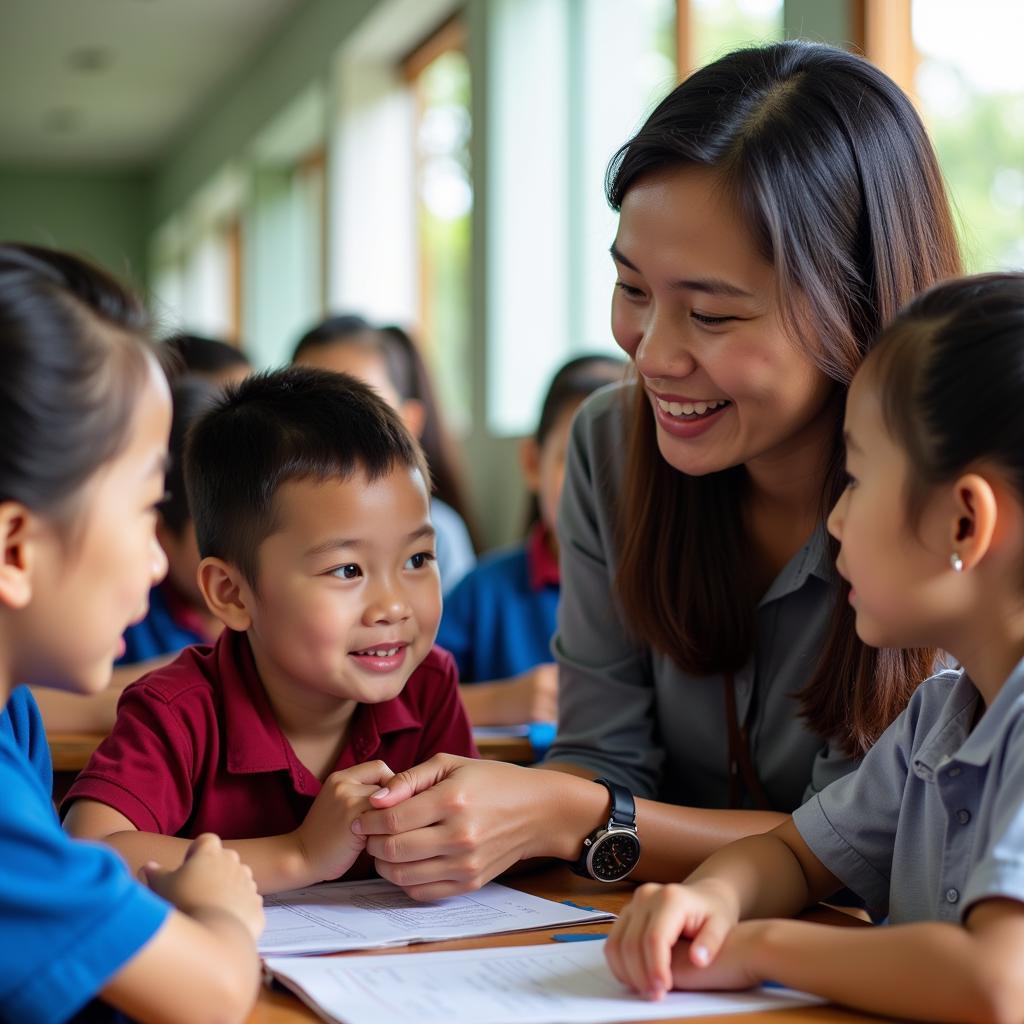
<point>214,360</point>
<point>387,359</point>
<point>498,622</point>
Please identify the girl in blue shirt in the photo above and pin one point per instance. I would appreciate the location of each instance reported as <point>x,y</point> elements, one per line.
<point>84,420</point>
<point>929,830</point>
<point>499,620</point>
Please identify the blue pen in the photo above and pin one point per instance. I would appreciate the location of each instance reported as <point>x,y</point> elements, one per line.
<point>579,936</point>
<point>580,906</point>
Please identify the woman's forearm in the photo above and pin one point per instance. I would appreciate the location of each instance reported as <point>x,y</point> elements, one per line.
<point>676,840</point>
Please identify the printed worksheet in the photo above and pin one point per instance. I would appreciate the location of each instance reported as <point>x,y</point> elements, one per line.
<point>568,984</point>
<point>339,916</point>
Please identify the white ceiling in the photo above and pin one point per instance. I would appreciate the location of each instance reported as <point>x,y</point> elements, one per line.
<point>112,83</point>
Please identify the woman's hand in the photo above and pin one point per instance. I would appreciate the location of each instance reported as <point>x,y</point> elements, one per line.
<point>452,824</point>
<point>644,949</point>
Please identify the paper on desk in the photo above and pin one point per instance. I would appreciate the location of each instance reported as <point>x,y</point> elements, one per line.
<point>373,914</point>
<point>548,984</point>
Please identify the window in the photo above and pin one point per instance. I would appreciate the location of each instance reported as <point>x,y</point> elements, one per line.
<point>439,75</point>
<point>969,82</point>
<point>709,29</point>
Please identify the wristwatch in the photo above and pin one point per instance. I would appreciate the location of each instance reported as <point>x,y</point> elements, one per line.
<point>611,851</point>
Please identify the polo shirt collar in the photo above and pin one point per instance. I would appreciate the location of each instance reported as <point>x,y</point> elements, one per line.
<point>253,738</point>
<point>951,728</point>
<point>999,717</point>
<point>953,739</point>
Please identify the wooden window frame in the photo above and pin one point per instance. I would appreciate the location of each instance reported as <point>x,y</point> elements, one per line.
<point>451,35</point>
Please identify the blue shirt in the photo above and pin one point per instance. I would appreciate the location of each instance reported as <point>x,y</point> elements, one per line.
<point>933,819</point>
<point>495,623</point>
<point>70,914</point>
<point>158,633</point>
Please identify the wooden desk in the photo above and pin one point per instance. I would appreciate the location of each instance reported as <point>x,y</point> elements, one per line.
<point>71,750</point>
<point>277,1006</point>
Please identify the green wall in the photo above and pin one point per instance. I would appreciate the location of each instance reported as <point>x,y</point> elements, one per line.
<point>299,54</point>
<point>102,215</point>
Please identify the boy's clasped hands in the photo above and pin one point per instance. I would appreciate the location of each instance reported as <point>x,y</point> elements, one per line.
<point>326,841</point>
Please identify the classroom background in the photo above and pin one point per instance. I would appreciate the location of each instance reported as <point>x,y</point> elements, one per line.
<point>255,164</point>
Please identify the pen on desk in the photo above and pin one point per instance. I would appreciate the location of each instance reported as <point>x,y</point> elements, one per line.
<point>580,906</point>
<point>578,936</point>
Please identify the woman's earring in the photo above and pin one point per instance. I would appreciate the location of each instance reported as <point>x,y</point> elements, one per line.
<point>956,562</point>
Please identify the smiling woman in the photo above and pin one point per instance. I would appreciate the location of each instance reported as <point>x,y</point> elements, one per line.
<point>776,209</point>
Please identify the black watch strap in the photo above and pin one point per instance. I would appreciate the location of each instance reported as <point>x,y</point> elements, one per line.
<point>623,804</point>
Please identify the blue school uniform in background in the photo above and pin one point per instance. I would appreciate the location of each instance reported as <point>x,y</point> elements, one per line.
<point>499,620</point>
<point>70,913</point>
<point>164,630</point>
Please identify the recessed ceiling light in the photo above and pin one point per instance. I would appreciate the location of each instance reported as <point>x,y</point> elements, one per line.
<point>90,59</point>
<point>61,120</point>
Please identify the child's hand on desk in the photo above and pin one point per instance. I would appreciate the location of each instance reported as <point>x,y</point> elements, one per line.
<point>537,692</point>
<point>531,696</point>
<point>326,842</point>
<point>645,950</point>
<point>210,878</point>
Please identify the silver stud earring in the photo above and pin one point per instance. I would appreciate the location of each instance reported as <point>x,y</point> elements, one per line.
<point>956,562</point>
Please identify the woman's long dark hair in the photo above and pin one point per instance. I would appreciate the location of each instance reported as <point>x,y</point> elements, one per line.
<point>834,175</point>
<point>74,356</point>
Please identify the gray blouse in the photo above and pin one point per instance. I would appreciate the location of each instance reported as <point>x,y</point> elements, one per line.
<point>630,713</point>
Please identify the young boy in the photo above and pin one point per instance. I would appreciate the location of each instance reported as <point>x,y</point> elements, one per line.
<point>311,508</point>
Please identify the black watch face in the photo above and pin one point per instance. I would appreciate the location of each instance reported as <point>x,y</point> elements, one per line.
<point>614,856</point>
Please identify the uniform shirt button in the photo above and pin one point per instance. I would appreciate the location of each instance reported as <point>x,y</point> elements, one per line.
<point>952,895</point>
<point>963,816</point>
<point>953,772</point>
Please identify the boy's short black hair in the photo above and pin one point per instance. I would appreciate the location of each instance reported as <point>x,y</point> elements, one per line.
<point>275,427</point>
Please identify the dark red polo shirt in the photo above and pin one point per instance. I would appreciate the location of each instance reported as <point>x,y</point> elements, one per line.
<point>196,747</point>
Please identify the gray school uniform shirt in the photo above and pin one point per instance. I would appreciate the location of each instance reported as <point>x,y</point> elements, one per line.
<point>933,820</point>
<point>631,714</point>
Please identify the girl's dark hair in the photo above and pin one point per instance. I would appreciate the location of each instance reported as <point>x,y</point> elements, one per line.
<point>409,377</point>
<point>573,381</point>
<point>75,353</point>
<point>949,373</point>
<point>833,174</point>
<point>191,397</point>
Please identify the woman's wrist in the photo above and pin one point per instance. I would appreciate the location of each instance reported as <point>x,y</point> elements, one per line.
<point>567,810</point>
